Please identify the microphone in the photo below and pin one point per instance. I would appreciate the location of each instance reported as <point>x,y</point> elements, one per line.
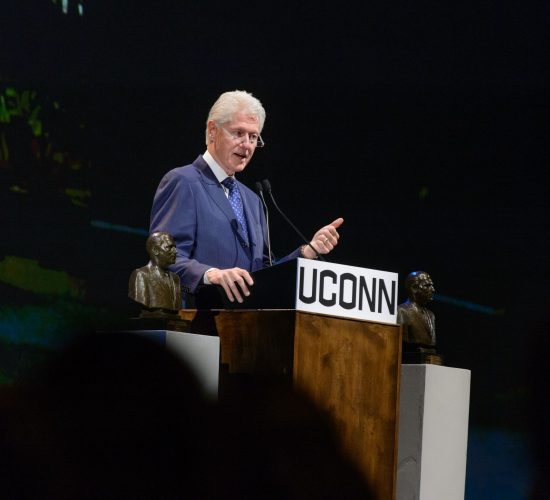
<point>260,191</point>
<point>267,187</point>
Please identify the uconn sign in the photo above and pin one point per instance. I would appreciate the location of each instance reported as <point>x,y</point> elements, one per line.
<point>346,291</point>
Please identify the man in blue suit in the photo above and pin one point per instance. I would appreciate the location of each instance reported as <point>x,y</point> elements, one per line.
<point>218,224</point>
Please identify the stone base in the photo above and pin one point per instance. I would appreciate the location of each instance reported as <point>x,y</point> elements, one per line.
<point>201,353</point>
<point>175,324</point>
<point>433,432</point>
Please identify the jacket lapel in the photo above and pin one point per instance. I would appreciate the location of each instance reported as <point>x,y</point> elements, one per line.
<point>215,191</point>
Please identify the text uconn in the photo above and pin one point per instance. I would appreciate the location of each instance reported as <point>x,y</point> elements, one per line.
<point>347,290</point>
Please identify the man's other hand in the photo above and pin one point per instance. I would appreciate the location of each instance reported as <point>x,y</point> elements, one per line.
<point>234,281</point>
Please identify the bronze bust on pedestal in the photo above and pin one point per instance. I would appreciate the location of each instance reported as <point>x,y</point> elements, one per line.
<point>153,286</point>
<point>417,320</point>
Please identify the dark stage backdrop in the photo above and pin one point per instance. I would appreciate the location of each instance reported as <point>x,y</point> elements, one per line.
<point>422,124</point>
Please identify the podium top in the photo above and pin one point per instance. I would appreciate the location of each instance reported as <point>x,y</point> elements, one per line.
<point>274,288</point>
<point>317,287</point>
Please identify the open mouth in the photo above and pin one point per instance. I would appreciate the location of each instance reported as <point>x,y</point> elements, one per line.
<point>242,156</point>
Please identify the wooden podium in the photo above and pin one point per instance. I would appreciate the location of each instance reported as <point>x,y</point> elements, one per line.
<point>349,367</point>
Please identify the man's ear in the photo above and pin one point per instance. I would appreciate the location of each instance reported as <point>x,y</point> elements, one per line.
<point>211,129</point>
<point>156,250</point>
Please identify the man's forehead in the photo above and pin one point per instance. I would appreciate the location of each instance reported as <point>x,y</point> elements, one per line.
<point>245,118</point>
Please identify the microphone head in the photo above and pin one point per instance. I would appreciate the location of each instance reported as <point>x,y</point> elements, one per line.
<point>259,188</point>
<point>267,185</point>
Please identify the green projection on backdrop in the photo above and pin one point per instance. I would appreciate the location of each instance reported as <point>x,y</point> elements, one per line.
<point>67,6</point>
<point>28,275</point>
<point>37,147</point>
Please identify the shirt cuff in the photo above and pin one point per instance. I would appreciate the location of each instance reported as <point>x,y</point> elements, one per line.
<point>205,279</point>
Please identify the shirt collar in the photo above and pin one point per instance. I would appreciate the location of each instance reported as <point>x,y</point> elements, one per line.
<point>218,171</point>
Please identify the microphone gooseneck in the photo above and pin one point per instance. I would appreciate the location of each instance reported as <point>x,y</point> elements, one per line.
<point>267,186</point>
<point>260,191</point>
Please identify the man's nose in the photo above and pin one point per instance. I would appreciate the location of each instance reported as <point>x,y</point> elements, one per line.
<point>246,147</point>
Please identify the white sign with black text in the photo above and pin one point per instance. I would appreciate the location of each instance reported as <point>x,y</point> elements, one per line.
<point>346,291</point>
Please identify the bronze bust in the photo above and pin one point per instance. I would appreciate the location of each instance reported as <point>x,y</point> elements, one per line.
<point>153,286</point>
<point>417,320</point>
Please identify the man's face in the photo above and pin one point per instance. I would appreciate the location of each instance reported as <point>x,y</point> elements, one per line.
<point>166,252</point>
<point>233,154</point>
<point>423,289</point>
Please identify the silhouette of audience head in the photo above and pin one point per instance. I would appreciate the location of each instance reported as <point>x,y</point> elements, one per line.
<point>116,415</point>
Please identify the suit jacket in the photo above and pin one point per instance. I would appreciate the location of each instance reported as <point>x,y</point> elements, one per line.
<point>191,205</point>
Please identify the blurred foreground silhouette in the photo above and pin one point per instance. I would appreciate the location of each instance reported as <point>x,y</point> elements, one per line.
<point>118,416</point>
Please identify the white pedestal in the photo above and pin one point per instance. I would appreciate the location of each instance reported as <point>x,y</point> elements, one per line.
<point>201,353</point>
<point>433,432</point>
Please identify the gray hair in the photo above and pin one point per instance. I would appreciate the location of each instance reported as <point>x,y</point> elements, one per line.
<point>230,103</point>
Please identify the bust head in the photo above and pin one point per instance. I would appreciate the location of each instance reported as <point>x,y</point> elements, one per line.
<point>161,249</point>
<point>419,287</point>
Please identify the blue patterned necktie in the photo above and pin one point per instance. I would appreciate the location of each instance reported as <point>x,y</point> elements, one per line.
<point>236,203</point>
